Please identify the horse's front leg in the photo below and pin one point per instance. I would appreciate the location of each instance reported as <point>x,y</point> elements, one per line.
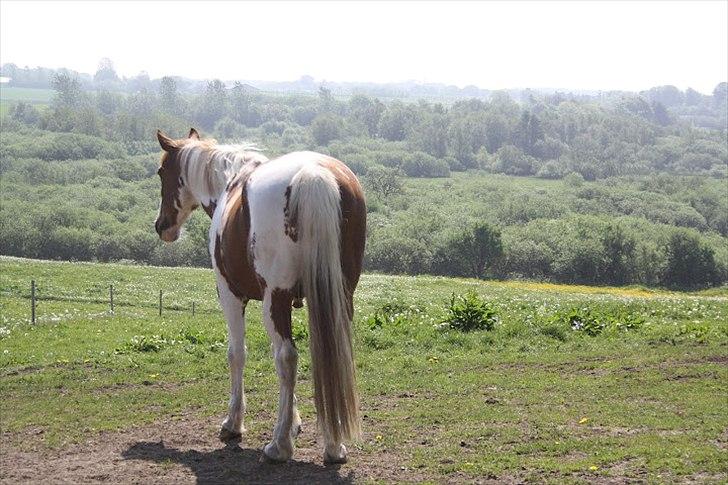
<point>234,310</point>
<point>277,318</point>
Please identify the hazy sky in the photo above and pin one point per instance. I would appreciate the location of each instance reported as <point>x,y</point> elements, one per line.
<point>493,45</point>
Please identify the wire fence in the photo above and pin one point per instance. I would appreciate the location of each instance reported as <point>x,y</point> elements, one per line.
<point>113,299</point>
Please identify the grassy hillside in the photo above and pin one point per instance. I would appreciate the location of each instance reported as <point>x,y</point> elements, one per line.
<point>572,383</point>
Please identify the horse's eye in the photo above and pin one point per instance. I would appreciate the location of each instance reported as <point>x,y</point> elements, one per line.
<point>181,182</point>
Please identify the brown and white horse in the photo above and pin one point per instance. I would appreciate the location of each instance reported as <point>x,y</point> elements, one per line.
<point>282,230</point>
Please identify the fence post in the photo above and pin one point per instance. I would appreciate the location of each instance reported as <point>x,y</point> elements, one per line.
<point>32,301</point>
<point>193,308</point>
<point>160,303</point>
<point>111,297</point>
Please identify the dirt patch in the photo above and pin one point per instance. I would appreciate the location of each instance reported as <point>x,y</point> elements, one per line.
<point>187,450</point>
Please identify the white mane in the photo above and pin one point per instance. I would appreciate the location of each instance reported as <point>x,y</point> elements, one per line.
<point>206,168</point>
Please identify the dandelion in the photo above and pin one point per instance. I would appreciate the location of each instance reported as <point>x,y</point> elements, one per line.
<point>593,468</point>
<point>583,420</point>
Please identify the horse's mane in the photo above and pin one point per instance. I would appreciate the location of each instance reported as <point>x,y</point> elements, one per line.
<point>208,167</point>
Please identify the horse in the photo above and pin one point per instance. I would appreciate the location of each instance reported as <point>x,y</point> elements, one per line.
<point>283,230</point>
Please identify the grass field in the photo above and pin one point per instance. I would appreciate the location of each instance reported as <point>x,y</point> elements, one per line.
<point>35,96</point>
<point>29,95</point>
<point>640,397</point>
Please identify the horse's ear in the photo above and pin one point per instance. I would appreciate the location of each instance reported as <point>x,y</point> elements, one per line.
<point>166,142</point>
<point>193,134</point>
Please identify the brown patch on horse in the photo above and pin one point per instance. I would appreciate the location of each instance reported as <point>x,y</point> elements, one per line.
<point>280,312</point>
<point>353,222</point>
<point>169,174</point>
<point>232,252</point>
<point>290,226</point>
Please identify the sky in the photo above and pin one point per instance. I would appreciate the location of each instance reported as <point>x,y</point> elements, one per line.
<point>588,45</point>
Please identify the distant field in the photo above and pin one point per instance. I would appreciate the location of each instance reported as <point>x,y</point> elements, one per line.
<point>29,95</point>
<point>88,394</point>
<point>38,97</point>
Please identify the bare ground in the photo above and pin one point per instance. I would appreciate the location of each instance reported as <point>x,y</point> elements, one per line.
<point>185,450</point>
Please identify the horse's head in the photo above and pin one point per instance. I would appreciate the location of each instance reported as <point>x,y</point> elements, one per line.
<point>178,202</point>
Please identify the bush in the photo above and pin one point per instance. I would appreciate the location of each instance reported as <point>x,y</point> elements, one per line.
<point>594,322</point>
<point>390,314</point>
<point>469,312</point>
<point>143,343</point>
<point>690,262</point>
<point>582,320</point>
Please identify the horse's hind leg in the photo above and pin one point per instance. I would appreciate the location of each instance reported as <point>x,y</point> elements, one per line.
<point>277,318</point>
<point>234,310</point>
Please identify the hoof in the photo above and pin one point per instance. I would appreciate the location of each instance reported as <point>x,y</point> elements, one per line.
<point>273,454</point>
<point>227,435</point>
<point>335,458</point>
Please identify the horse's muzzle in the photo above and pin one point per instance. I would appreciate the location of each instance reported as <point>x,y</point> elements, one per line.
<point>165,230</point>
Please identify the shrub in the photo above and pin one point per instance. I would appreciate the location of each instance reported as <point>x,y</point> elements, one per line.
<point>389,314</point>
<point>470,312</point>
<point>143,343</point>
<point>582,320</point>
<point>594,322</point>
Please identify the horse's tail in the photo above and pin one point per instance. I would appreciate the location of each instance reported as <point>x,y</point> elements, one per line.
<point>315,206</point>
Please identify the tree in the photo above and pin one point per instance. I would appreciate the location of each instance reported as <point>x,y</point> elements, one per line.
<point>213,104</point>
<point>244,110</point>
<point>383,181</point>
<point>430,135</point>
<point>479,248</point>
<point>68,91</point>
<point>396,121</point>
<point>720,96</point>
<point>690,262</point>
<point>325,128</point>
<point>105,72</point>
<point>660,114</point>
<point>619,252</point>
<point>528,133</point>
<point>366,111</point>
<point>168,94</point>
<point>512,161</point>
<point>326,100</point>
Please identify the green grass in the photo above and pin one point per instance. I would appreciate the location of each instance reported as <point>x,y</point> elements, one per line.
<point>29,95</point>
<point>36,96</point>
<point>531,399</point>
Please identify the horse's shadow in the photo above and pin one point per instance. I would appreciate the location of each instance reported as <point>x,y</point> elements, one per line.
<point>233,464</point>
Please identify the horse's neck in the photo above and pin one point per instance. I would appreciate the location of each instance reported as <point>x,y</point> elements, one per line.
<point>210,170</point>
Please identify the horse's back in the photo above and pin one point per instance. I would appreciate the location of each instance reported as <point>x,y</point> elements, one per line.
<point>273,237</point>
<point>275,253</point>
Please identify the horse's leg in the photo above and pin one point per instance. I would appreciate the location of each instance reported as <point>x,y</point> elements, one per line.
<point>234,310</point>
<point>277,319</point>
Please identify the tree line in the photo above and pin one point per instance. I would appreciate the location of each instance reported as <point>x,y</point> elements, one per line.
<point>615,191</point>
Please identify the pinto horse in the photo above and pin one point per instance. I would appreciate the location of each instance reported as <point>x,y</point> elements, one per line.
<point>282,230</point>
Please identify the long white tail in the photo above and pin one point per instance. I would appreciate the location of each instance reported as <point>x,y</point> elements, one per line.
<point>315,206</point>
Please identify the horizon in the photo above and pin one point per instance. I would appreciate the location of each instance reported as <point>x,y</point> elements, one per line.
<point>595,46</point>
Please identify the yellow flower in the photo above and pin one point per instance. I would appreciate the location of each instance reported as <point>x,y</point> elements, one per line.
<point>593,468</point>
<point>583,420</point>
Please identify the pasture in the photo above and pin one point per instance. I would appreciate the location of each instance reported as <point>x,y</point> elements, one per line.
<point>29,95</point>
<point>35,96</point>
<point>572,384</point>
